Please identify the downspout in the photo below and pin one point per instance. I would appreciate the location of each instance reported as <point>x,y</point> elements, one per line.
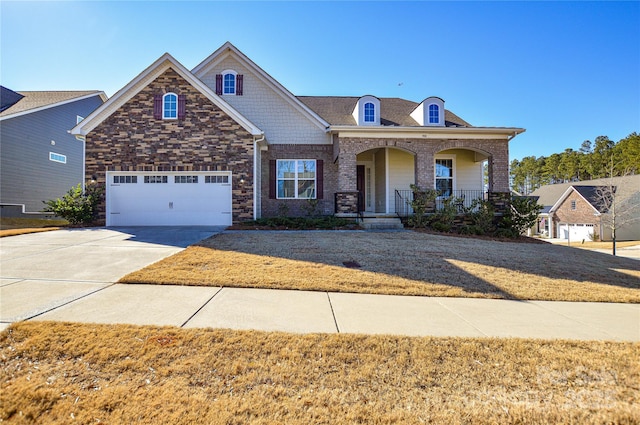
<point>256,189</point>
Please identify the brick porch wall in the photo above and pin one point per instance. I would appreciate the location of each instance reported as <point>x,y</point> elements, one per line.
<point>296,207</point>
<point>207,139</point>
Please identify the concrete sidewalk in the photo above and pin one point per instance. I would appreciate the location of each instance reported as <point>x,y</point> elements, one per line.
<point>310,312</point>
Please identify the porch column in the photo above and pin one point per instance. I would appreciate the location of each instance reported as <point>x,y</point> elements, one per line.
<point>499,169</point>
<point>424,170</point>
<point>346,198</point>
<point>347,172</point>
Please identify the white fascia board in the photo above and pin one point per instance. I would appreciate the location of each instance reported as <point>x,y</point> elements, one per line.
<point>506,133</point>
<point>226,49</point>
<point>102,95</point>
<point>152,72</point>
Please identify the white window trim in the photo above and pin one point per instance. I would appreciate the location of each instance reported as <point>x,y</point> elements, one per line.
<point>164,117</point>
<point>452,157</point>
<point>235,81</point>
<point>62,159</point>
<point>295,179</point>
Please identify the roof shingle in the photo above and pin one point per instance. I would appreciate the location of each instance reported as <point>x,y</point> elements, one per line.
<point>38,99</point>
<point>338,110</point>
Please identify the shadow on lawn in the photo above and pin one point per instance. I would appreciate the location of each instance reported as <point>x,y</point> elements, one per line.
<point>465,263</point>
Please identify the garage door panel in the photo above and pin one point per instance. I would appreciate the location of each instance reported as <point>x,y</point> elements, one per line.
<point>576,232</point>
<point>169,203</point>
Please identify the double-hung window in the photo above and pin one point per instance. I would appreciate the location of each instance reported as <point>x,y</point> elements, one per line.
<point>296,179</point>
<point>444,177</point>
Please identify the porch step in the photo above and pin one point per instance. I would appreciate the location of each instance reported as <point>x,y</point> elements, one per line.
<point>381,223</point>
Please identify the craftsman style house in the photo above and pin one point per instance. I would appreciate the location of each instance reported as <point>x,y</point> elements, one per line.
<point>226,142</point>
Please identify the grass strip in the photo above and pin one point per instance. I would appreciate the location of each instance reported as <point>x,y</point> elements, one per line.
<point>60,373</point>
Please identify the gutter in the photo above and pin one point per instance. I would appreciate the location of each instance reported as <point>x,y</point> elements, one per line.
<point>507,133</point>
<point>256,190</point>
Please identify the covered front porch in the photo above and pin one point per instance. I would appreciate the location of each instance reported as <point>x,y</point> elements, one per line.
<point>384,177</point>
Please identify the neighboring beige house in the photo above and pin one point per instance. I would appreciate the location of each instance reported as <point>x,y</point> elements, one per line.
<point>226,142</point>
<point>578,211</point>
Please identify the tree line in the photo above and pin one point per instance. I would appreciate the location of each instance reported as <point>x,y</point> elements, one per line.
<point>602,158</point>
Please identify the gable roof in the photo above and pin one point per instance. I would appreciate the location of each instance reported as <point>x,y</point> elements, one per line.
<point>33,101</point>
<point>597,197</point>
<point>152,72</point>
<point>338,110</point>
<point>229,49</point>
<point>8,98</point>
<point>626,187</point>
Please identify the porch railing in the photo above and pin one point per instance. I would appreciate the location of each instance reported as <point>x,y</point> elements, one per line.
<point>461,198</point>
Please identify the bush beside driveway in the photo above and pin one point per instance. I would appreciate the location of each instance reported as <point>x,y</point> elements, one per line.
<point>398,263</point>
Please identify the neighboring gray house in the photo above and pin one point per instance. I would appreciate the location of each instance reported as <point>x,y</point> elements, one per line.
<point>39,158</point>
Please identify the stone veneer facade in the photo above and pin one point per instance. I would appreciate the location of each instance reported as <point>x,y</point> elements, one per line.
<point>207,139</point>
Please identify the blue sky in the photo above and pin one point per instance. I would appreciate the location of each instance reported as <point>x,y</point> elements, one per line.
<point>565,71</point>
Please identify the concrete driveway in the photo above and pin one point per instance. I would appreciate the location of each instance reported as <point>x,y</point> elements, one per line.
<point>42,271</point>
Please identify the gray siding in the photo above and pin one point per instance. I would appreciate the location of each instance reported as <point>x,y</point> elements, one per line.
<point>27,176</point>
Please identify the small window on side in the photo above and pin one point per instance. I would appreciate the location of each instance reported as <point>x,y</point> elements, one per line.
<point>573,205</point>
<point>57,157</point>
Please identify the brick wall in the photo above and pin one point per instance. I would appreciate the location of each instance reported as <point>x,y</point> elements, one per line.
<point>296,207</point>
<point>583,213</point>
<point>206,140</point>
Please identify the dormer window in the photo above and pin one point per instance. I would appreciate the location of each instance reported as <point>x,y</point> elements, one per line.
<point>434,114</point>
<point>367,111</point>
<point>430,113</point>
<point>229,83</point>
<point>170,106</point>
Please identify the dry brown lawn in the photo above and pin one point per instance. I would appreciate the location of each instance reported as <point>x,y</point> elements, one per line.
<point>402,263</point>
<point>12,226</point>
<point>81,373</point>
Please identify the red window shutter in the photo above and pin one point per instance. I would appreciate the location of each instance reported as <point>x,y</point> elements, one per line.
<point>272,179</point>
<point>319,179</point>
<point>157,106</point>
<point>239,84</point>
<point>218,84</point>
<point>182,106</point>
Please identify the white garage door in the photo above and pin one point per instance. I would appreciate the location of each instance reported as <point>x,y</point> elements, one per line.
<point>168,199</point>
<point>576,232</point>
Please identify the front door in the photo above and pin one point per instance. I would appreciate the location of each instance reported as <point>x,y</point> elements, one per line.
<point>360,187</point>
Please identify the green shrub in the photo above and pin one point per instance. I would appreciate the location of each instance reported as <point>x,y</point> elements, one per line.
<point>521,215</point>
<point>422,201</point>
<point>303,223</point>
<point>75,206</point>
<point>482,215</point>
